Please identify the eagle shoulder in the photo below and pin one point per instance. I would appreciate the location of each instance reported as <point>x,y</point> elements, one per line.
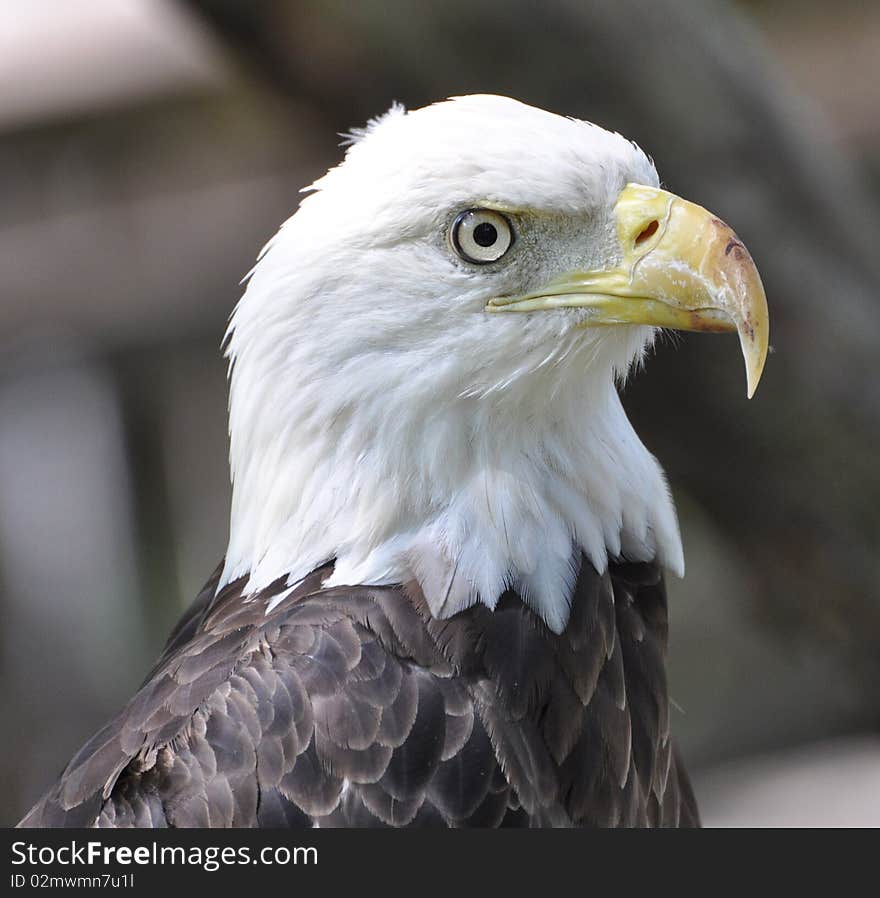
<point>353,706</point>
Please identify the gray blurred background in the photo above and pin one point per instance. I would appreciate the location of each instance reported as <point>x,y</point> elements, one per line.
<point>148,148</point>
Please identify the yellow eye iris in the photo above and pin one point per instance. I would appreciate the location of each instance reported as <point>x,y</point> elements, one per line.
<point>481,235</point>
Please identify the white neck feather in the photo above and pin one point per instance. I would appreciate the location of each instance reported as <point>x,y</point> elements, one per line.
<point>469,496</point>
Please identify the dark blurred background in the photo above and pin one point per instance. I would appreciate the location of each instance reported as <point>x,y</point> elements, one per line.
<point>148,148</point>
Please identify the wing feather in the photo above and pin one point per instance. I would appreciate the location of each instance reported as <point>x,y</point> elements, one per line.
<point>354,706</point>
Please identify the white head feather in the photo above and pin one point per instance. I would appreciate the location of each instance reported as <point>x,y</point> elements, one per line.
<point>379,416</point>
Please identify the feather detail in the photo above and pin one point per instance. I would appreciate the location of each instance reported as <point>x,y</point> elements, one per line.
<point>356,707</point>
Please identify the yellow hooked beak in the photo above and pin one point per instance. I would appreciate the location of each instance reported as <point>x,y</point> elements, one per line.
<point>681,268</point>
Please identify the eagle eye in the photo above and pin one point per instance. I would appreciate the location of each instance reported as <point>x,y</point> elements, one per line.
<point>481,235</point>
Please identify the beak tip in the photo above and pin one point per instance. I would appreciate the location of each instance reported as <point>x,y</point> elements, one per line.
<point>754,370</point>
<point>755,340</point>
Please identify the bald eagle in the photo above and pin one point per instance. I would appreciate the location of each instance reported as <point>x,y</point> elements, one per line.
<point>443,597</point>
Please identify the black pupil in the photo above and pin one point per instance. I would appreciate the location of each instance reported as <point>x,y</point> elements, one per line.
<point>485,234</point>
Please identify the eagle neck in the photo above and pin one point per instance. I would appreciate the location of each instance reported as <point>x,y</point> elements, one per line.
<point>469,498</point>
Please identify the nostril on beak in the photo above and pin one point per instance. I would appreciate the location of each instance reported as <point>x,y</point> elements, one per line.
<point>649,230</point>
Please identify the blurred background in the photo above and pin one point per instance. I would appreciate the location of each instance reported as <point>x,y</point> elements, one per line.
<point>148,148</point>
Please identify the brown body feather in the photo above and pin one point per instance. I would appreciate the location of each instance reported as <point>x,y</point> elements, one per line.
<point>352,706</point>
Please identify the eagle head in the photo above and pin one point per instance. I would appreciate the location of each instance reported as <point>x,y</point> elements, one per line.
<point>425,361</point>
